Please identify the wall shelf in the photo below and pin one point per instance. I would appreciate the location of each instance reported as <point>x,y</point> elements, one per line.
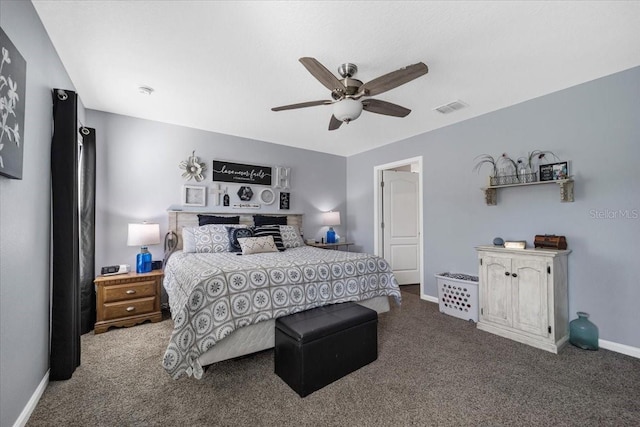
<point>566,190</point>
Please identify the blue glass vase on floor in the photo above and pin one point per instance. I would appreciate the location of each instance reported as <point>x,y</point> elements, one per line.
<point>143,261</point>
<point>583,333</point>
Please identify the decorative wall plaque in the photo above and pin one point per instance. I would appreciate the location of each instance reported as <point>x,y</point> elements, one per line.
<point>240,173</point>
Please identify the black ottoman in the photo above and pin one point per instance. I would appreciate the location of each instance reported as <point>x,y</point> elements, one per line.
<point>316,347</point>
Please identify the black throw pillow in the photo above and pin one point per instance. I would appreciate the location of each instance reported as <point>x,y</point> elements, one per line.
<point>234,233</point>
<point>270,230</point>
<point>259,220</point>
<point>212,219</point>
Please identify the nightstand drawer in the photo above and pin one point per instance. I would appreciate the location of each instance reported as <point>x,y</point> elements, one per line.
<point>128,291</point>
<point>116,310</point>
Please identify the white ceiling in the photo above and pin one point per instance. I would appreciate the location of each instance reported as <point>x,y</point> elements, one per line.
<point>222,65</point>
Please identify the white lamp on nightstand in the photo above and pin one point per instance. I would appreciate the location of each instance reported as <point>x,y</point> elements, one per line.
<point>143,235</point>
<point>331,218</point>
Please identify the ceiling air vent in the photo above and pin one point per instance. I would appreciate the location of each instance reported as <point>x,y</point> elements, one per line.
<point>451,107</point>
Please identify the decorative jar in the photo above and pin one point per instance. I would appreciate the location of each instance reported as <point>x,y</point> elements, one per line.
<point>583,333</point>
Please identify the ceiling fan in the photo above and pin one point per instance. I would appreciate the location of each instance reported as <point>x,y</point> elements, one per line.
<point>347,93</point>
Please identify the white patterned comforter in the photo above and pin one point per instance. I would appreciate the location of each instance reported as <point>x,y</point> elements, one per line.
<point>212,295</point>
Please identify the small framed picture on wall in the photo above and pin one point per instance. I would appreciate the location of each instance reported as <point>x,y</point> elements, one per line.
<point>194,195</point>
<point>285,201</point>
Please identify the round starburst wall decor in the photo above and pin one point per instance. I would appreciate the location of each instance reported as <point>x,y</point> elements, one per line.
<point>192,168</point>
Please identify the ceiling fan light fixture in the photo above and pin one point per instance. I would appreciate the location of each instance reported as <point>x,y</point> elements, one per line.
<point>145,90</point>
<point>347,110</point>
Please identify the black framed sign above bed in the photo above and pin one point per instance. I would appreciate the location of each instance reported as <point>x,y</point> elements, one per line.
<point>241,173</point>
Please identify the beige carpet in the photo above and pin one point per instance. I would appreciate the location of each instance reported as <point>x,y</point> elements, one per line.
<point>432,369</point>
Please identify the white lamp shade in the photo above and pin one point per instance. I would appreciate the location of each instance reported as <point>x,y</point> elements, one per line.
<point>331,218</point>
<point>348,109</point>
<point>143,234</point>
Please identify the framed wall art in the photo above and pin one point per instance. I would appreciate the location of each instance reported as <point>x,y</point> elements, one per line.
<point>194,195</point>
<point>554,171</point>
<point>245,193</point>
<point>285,201</point>
<point>241,173</point>
<point>13,79</point>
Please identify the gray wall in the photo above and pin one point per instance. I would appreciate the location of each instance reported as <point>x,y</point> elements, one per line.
<point>24,220</point>
<point>597,128</point>
<point>138,178</point>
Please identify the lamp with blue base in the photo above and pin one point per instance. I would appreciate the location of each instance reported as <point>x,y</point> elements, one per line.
<point>143,235</point>
<point>331,218</point>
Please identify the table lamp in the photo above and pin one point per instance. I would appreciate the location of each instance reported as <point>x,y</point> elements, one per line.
<point>331,218</point>
<point>143,235</point>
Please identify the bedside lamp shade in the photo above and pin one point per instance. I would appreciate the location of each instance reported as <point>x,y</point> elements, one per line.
<point>143,235</point>
<point>331,218</point>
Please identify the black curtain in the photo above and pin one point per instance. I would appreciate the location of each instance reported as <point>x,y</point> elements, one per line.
<point>87,200</point>
<point>65,306</point>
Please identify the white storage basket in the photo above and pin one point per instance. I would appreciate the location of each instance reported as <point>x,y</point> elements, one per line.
<point>458,295</point>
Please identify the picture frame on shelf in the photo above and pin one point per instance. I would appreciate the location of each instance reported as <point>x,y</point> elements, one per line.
<point>554,171</point>
<point>194,195</point>
<point>560,171</point>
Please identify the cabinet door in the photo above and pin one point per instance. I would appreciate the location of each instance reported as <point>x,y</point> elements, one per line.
<point>495,287</point>
<point>529,303</point>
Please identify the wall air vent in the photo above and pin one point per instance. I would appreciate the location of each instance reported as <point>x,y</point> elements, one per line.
<point>451,107</point>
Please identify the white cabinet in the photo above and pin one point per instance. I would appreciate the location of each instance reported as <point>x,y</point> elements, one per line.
<point>523,295</point>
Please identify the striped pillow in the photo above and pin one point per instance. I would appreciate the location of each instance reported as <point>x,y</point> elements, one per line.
<point>270,230</point>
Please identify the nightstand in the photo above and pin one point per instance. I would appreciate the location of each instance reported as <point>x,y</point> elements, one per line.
<point>127,299</point>
<point>331,245</point>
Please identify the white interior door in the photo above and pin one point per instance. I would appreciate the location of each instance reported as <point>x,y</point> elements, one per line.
<point>400,225</point>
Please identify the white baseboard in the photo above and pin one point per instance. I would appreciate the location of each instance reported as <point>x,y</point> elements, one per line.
<point>428,298</point>
<point>33,402</point>
<point>607,345</point>
<point>620,348</point>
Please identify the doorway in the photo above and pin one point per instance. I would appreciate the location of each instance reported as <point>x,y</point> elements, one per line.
<point>398,219</point>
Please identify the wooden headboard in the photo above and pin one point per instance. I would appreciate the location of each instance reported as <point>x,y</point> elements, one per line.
<point>180,219</point>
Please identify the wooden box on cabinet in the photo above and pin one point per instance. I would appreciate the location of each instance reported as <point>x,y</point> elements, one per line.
<point>523,295</point>
<point>127,299</point>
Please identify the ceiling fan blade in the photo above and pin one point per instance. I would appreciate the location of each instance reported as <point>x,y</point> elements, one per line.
<point>334,123</point>
<point>323,75</point>
<point>301,105</point>
<point>384,107</point>
<point>393,79</point>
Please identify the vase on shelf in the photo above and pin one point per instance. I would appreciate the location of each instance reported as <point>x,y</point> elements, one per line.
<point>522,174</point>
<point>583,333</point>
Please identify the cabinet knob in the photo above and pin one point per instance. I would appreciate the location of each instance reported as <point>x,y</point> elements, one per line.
<point>514,275</point>
<point>506,273</point>
<point>130,308</point>
<point>131,292</point>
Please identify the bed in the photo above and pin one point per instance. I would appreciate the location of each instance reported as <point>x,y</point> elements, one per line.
<point>224,305</point>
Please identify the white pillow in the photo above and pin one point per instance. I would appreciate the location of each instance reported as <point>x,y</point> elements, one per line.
<point>257,245</point>
<point>211,238</point>
<point>291,236</point>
